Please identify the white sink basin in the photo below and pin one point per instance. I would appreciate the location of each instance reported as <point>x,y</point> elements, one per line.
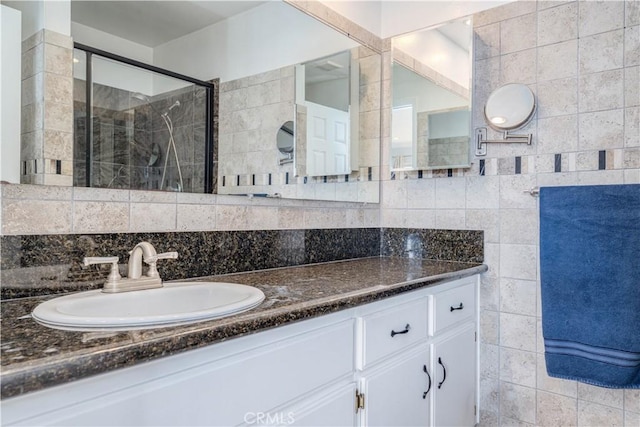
<point>173,304</point>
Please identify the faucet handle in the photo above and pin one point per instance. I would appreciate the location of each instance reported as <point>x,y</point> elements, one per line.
<point>165,255</point>
<point>153,271</point>
<point>114,274</point>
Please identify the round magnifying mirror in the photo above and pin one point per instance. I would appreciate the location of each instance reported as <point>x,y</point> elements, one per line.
<point>510,107</point>
<point>285,138</point>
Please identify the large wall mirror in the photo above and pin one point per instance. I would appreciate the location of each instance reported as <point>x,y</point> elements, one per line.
<point>431,98</point>
<point>250,52</point>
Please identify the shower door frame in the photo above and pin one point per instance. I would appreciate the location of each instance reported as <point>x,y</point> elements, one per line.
<point>210,161</point>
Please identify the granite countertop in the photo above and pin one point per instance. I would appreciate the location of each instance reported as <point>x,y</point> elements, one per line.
<point>34,357</point>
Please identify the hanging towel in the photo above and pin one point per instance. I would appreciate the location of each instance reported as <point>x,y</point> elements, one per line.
<point>590,278</point>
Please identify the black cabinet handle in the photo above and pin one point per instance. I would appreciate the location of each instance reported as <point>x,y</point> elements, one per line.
<point>444,375</point>
<point>424,395</point>
<point>406,329</point>
<point>460,307</point>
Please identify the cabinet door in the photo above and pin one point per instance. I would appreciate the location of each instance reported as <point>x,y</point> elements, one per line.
<point>396,394</point>
<point>455,379</point>
<point>335,409</point>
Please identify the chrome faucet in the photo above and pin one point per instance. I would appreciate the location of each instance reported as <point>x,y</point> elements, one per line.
<point>135,280</point>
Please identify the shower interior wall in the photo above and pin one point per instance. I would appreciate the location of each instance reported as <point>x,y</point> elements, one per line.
<point>126,131</point>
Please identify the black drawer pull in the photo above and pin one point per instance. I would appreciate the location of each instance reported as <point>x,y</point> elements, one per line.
<point>424,395</point>
<point>460,307</point>
<point>406,329</point>
<point>444,373</point>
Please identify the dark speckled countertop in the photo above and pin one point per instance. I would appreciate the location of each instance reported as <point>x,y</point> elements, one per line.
<point>35,357</point>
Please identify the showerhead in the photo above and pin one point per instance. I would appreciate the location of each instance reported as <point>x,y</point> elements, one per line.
<point>174,105</point>
<point>141,97</point>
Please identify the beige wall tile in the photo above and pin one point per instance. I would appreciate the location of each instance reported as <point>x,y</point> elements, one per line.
<point>58,116</point>
<point>593,414</point>
<point>100,217</point>
<point>601,130</point>
<point>518,332</point>
<point>450,193</point>
<point>600,16</point>
<point>556,410</point>
<point>519,226</point>
<point>632,127</point>
<point>153,196</point>
<point>58,145</point>
<point>58,60</point>
<point>450,219</point>
<point>157,217</point>
<point>58,88</point>
<point>518,402</point>
<point>601,395</point>
<point>558,24</point>
<point>518,261</point>
<point>512,193</point>
<point>421,193</point>
<point>195,217</point>
<point>518,297</point>
<point>631,86</point>
<point>519,67</point>
<point>601,91</point>
<point>632,46</point>
<point>490,395</point>
<point>557,97</point>
<point>489,361</point>
<point>518,33</point>
<point>517,367</point>
<point>558,134</point>
<point>487,41</point>
<point>631,419</point>
<point>507,11</point>
<point>487,220</point>
<point>558,61</point>
<point>35,216</point>
<point>263,218</point>
<point>100,194</point>
<point>601,52</point>
<point>632,12</point>
<point>490,327</point>
<point>324,218</point>
<point>554,385</point>
<point>632,400</point>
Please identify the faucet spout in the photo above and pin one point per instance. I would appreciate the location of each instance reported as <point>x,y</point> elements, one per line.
<point>145,249</point>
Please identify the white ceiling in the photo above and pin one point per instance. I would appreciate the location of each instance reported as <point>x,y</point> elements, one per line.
<point>152,23</point>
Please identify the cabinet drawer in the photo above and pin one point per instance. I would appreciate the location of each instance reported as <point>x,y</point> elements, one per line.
<point>391,330</point>
<point>453,306</point>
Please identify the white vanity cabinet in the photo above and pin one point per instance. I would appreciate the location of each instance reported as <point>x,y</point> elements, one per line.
<point>379,364</point>
<point>417,358</point>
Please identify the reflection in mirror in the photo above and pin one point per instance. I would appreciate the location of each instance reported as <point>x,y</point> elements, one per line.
<point>338,75</point>
<point>284,141</point>
<point>430,118</point>
<point>324,93</point>
<point>247,52</point>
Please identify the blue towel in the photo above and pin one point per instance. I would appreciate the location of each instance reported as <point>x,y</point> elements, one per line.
<point>590,278</point>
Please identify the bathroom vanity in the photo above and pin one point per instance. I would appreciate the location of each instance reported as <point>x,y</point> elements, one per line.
<point>375,341</point>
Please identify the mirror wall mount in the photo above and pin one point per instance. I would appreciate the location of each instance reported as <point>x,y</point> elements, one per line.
<point>509,107</point>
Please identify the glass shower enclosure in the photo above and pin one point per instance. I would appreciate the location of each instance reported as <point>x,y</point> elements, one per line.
<point>137,126</point>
